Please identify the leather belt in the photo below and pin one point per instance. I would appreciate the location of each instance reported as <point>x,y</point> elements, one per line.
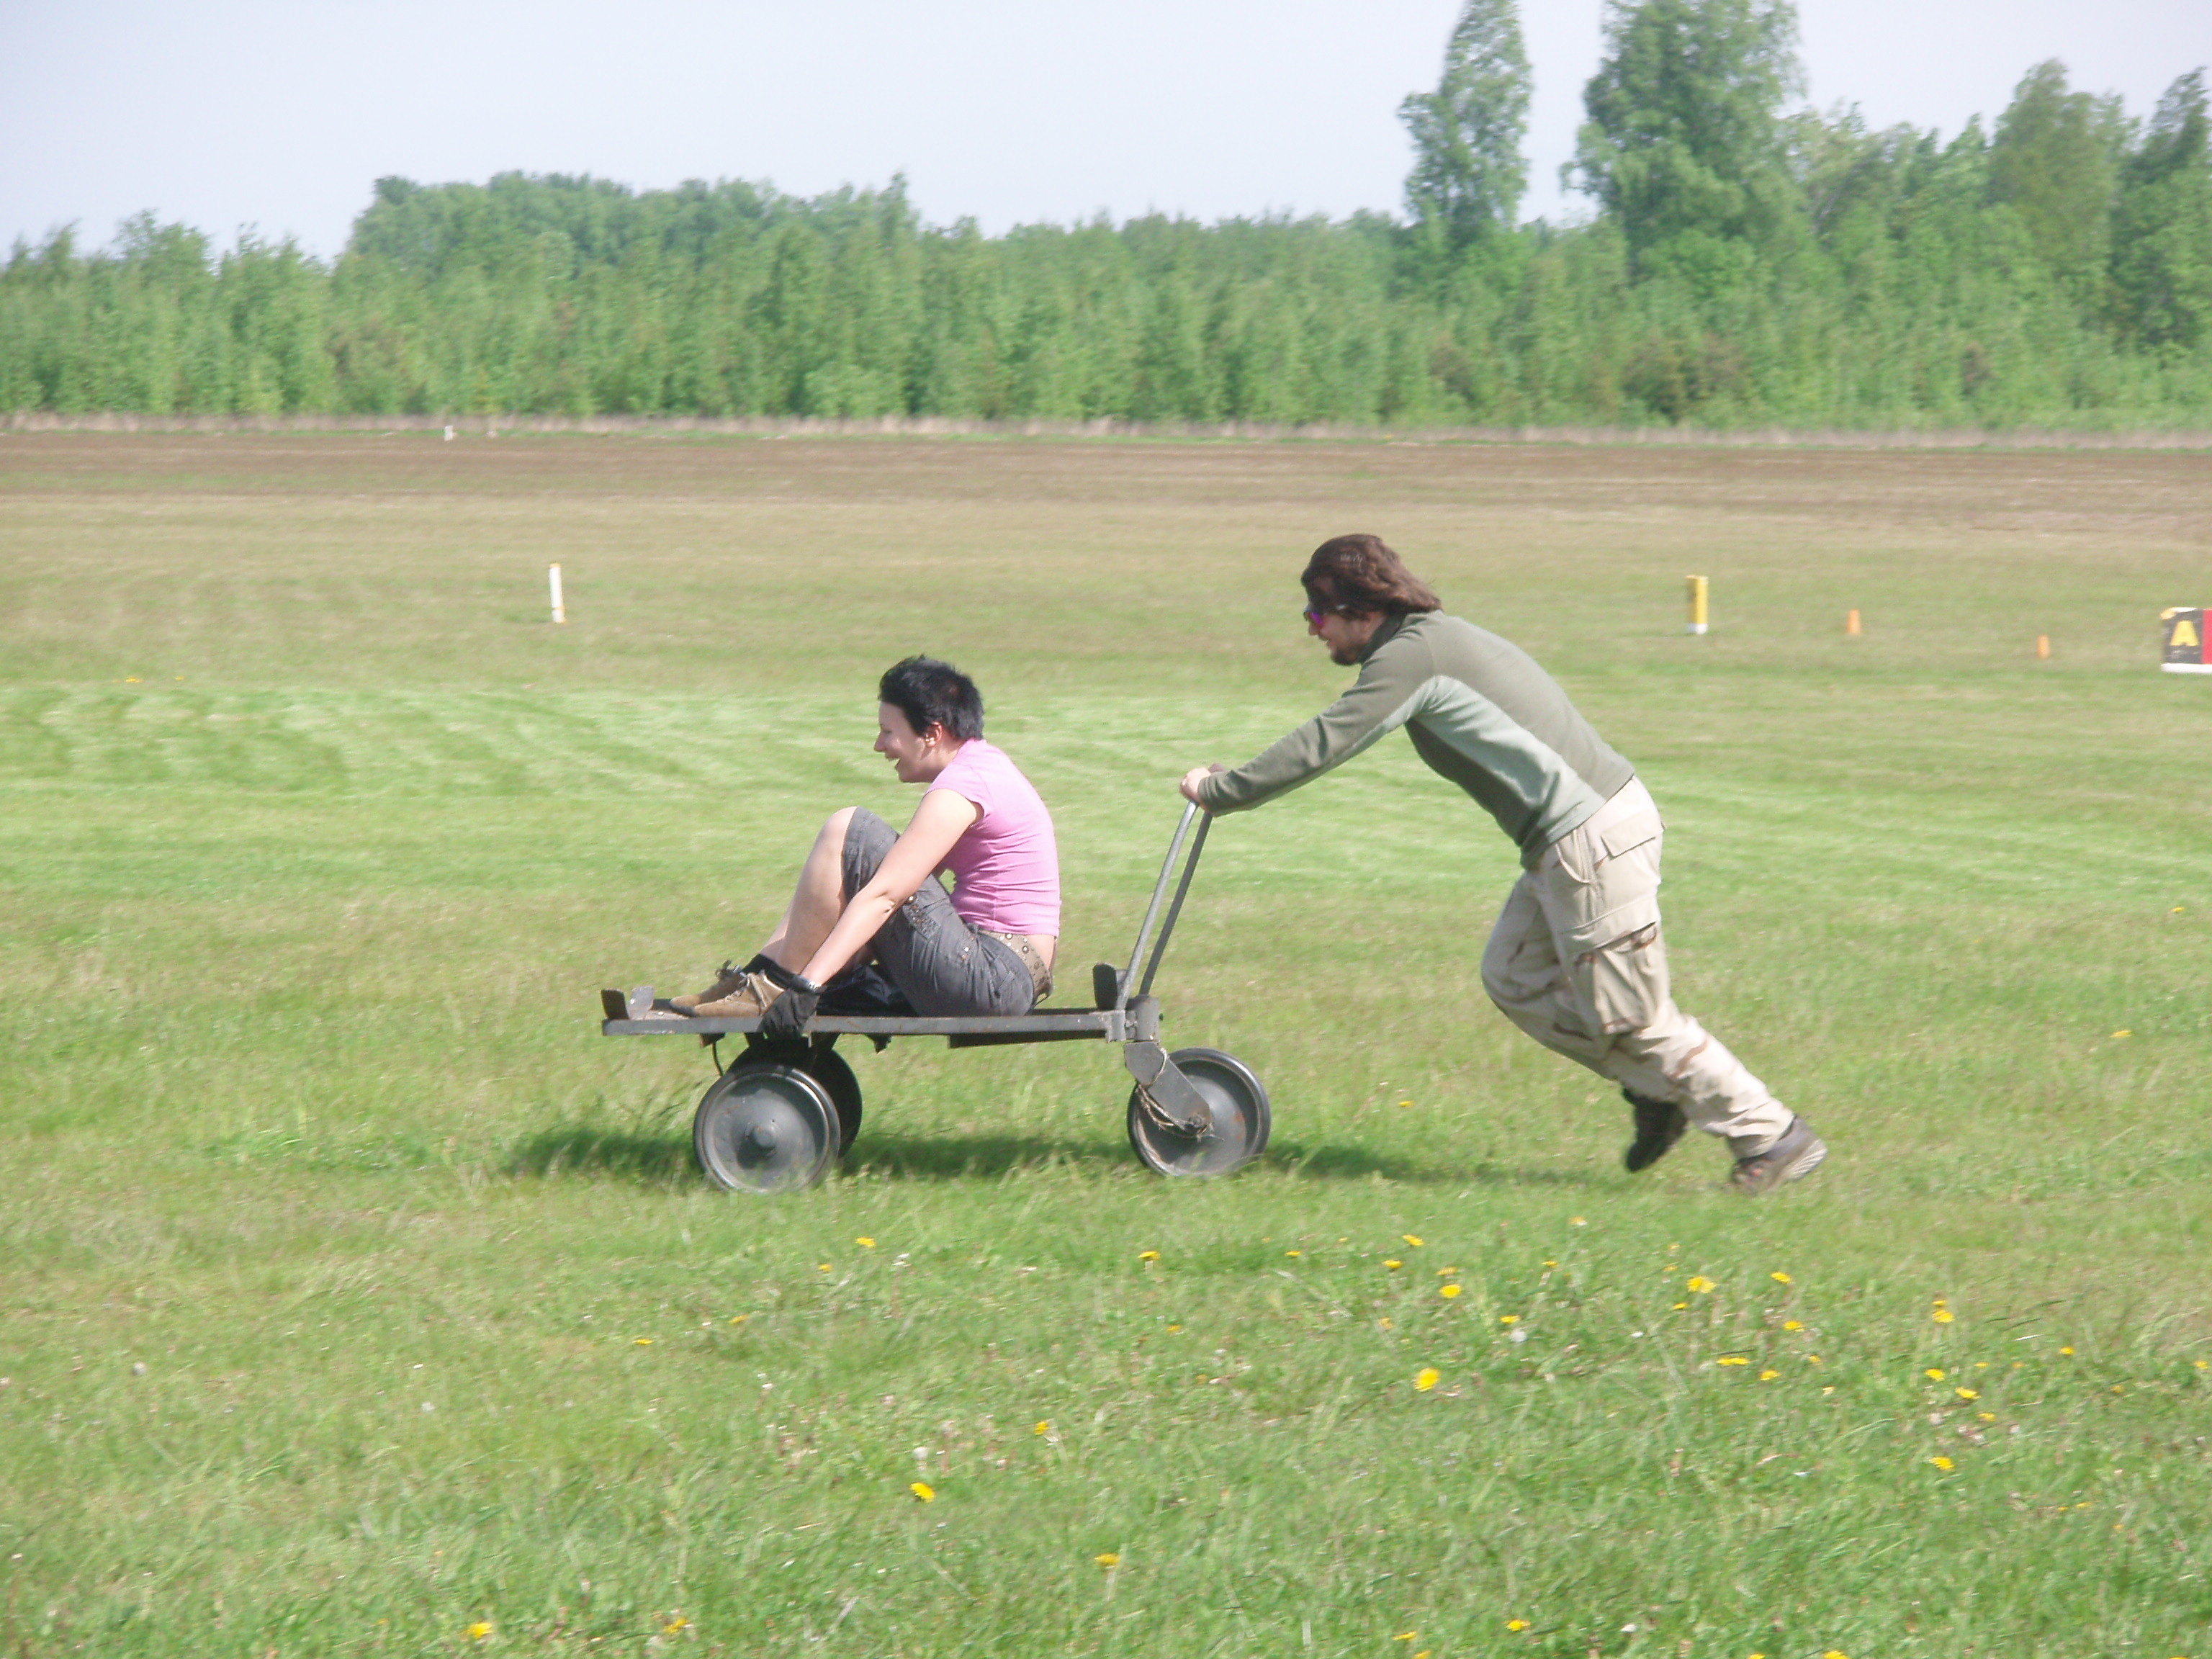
<point>1032,959</point>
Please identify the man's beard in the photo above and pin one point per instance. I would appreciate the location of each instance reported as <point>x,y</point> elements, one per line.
<point>1343,656</point>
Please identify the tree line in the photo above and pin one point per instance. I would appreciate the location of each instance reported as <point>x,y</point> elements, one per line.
<point>1745,263</point>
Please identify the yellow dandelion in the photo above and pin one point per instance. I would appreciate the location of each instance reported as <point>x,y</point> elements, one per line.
<point>1943,1463</point>
<point>2203,1364</point>
<point>2117,1036</point>
<point>1699,1283</point>
<point>1732,1359</point>
<point>1781,1278</point>
<point>865,1243</point>
<point>676,1626</point>
<point>923,1491</point>
<point>1987,1417</point>
<point>1551,1264</point>
<point>1508,1319</point>
<point>2069,1352</point>
<point>2116,1388</point>
<point>1427,1379</point>
<point>1516,1624</point>
<point>1577,1221</point>
<point>822,1267</point>
<point>1108,1560</point>
<point>1405,1636</point>
<point>1447,1272</point>
<point>1148,1255</point>
<point>1293,1252</point>
<point>1405,1104</point>
<point>1175,1330</point>
<point>1768,1376</point>
<point>1448,1291</point>
<point>1981,1365</point>
<point>1392,1264</point>
<point>478,1632</point>
<point>1941,1316</point>
<point>1383,1323</point>
<point>739,1319</point>
<point>1793,1324</point>
<point>1835,1653</point>
<point>1967,1393</point>
<point>1414,1239</point>
<point>641,1342</point>
<point>1679,1306</point>
<point>1043,1426</point>
<point>1812,1359</point>
<point>1934,1374</point>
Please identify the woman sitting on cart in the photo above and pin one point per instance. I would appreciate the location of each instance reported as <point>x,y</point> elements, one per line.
<point>868,894</point>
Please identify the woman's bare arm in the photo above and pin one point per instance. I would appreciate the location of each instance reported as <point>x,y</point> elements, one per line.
<point>943,817</point>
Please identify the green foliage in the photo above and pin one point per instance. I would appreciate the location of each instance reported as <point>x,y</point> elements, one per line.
<point>1747,268</point>
<point>1469,172</point>
<point>2162,225</point>
<point>1684,139</point>
<point>2053,162</point>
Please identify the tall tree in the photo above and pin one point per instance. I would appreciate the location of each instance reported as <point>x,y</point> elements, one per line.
<point>1469,172</point>
<point>2162,227</point>
<point>1685,131</point>
<point>2053,160</point>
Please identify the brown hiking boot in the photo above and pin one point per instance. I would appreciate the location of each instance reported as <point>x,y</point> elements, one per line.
<point>728,980</point>
<point>1796,1155</point>
<point>1659,1125</point>
<point>747,999</point>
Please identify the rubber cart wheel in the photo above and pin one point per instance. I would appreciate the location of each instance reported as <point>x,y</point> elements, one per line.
<point>825,1066</point>
<point>1235,1101</point>
<point>765,1128</point>
<point>828,1067</point>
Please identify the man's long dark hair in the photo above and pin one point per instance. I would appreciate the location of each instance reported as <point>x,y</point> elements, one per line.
<point>1361,575</point>
<point>932,693</point>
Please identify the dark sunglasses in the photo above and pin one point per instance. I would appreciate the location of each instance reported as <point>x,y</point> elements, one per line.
<point>1314,613</point>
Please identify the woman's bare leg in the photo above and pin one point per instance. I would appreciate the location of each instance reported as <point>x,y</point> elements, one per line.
<point>816,902</point>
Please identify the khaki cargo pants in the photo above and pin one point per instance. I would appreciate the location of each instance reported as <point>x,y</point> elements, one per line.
<point>1576,961</point>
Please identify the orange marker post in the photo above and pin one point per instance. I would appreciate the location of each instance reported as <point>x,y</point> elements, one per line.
<point>1852,623</point>
<point>2042,648</point>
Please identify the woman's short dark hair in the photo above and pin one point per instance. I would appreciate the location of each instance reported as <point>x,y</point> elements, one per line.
<point>932,693</point>
<point>1361,575</point>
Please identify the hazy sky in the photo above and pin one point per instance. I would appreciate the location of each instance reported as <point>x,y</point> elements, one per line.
<point>281,114</point>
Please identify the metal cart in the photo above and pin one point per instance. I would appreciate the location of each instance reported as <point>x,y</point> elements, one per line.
<point>782,1113</point>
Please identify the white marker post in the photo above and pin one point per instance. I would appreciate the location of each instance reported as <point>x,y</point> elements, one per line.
<point>553,579</point>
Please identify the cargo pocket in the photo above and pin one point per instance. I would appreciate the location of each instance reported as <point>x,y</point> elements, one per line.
<point>1619,969</point>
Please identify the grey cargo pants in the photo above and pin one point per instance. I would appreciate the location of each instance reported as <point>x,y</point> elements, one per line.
<point>1578,961</point>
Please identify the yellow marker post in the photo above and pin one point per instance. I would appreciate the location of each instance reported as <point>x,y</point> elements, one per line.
<point>553,579</point>
<point>1852,623</point>
<point>1698,596</point>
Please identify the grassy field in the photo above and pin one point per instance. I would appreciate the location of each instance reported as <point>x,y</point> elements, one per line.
<point>356,1297</point>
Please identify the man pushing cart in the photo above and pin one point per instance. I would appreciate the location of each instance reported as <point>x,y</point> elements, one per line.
<point>1576,959</point>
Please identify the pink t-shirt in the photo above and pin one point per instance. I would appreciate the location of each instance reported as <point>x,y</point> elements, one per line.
<point>1005,870</point>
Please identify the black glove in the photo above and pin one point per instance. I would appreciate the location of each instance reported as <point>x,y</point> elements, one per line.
<point>787,1017</point>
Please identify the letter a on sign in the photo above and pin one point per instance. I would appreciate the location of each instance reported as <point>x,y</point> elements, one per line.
<point>2183,632</point>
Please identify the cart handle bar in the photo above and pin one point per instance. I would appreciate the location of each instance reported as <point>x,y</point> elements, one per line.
<point>1152,911</point>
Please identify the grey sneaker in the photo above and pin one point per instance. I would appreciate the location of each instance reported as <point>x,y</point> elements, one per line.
<point>1659,1125</point>
<point>1796,1155</point>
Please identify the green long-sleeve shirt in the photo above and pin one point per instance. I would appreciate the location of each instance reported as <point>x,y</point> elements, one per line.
<point>1480,711</point>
